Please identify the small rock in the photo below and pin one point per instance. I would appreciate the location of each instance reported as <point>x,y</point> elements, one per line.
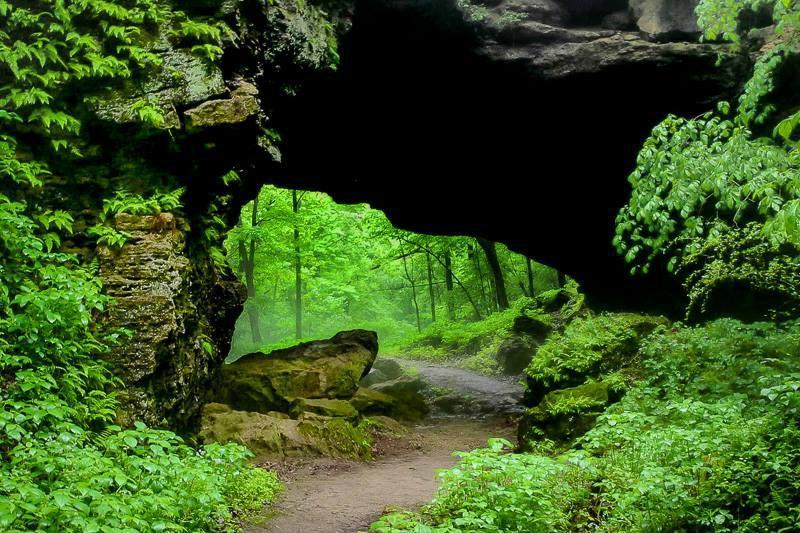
<point>264,435</point>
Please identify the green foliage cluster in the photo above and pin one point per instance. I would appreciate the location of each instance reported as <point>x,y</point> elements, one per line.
<point>137,204</point>
<point>471,345</point>
<point>134,204</point>
<point>63,465</point>
<point>248,491</point>
<point>739,269</point>
<point>712,177</point>
<point>707,442</point>
<point>590,345</point>
<point>492,490</point>
<point>695,177</point>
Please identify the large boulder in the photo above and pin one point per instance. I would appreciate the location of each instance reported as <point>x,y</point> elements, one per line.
<point>319,369</point>
<point>664,20</point>
<point>269,436</point>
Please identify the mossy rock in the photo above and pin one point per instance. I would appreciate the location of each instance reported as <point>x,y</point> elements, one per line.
<point>565,414</point>
<point>588,347</point>
<point>383,426</point>
<point>328,369</point>
<point>390,368</point>
<point>324,407</point>
<point>514,354</point>
<point>374,377</point>
<point>268,436</point>
<point>593,393</point>
<point>371,402</point>
<point>407,392</point>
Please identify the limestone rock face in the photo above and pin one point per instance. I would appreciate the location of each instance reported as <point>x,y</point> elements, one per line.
<point>164,364</point>
<point>320,369</point>
<point>663,20</point>
<point>564,38</point>
<point>182,79</point>
<point>240,107</point>
<point>269,436</point>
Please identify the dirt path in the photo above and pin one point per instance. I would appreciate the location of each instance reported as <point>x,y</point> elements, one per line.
<point>497,395</point>
<point>335,496</point>
<point>346,497</point>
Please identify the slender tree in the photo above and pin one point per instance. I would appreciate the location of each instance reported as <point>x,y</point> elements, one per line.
<point>412,280</point>
<point>431,289</point>
<point>490,250</point>
<point>248,265</point>
<point>298,268</point>
<point>448,284</point>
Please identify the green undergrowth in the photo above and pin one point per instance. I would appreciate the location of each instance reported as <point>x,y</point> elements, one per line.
<point>590,345</point>
<point>64,465</point>
<point>707,441</point>
<point>473,345</point>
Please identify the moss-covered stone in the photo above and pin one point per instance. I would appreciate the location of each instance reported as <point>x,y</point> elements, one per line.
<point>379,425</point>
<point>269,436</point>
<point>371,402</point>
<point>406,391</point>
<point>588,347</point>
<point>324,407</point>
<point>564,414</point>
<point>181,79</point>
<point>321,369</point>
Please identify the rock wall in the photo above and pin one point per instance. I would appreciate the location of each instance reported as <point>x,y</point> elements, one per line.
<point>179,319</point>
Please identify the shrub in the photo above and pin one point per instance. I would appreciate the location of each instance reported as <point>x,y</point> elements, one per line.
<point>590,346</point>
<point>707,441</point>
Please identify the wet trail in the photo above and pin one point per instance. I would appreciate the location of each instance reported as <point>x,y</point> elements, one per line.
<point>338,496</point>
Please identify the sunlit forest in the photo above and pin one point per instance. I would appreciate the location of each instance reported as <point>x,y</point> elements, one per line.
<point>340,266</point>
<point>313,267</point>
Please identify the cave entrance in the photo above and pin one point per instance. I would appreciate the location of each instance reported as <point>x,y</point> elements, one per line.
<point>313,267</point>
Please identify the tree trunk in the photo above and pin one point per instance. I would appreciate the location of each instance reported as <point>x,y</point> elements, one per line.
<point>448,284</point>
<point>476,258</point>
<point>490,249</point>
<point>529,265</point>
<point>249,276</point>
<point>431,292</point>
<point>413,293</point>
<point>298,271</point>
